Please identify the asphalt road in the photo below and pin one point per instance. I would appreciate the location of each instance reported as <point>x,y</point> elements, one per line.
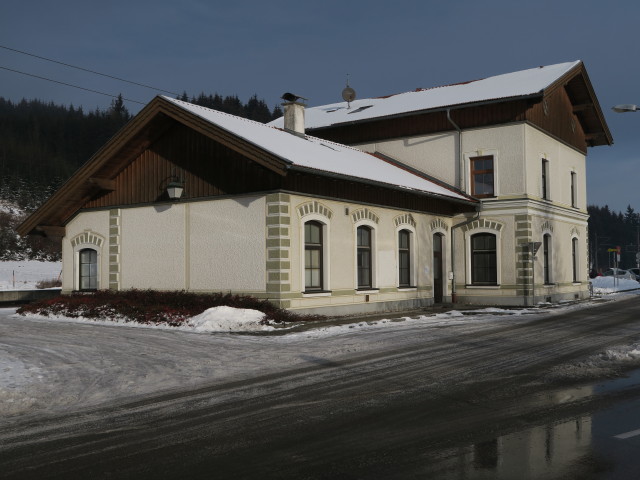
<point>404,412</point>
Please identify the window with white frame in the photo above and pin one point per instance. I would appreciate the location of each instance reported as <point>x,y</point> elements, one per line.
<point>484,261</point>
<point>365,257</point>
<point>482,176</point>
<point>545,179</point>
<point>88,269</point>
<point>404,258</point>
<point>546,259</point>
<point>574,192</point>
<point>313,256</point>
<point>574,256</point>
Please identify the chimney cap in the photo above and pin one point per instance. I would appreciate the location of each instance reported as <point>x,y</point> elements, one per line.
<point>291,97</point>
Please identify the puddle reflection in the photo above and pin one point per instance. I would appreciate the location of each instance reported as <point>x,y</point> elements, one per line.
<point>544,452</point>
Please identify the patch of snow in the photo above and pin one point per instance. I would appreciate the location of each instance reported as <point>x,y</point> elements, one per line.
<point>228,319</point>
<point>25,274</point>
<point>604,285</point>
<point>10,208</point>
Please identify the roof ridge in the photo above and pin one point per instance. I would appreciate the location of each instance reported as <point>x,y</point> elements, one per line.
<point>231,115</point>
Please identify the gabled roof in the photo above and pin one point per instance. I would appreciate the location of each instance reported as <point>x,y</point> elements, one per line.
<point>322,155</point>
<point>510,86</point>
<point>273,148</point>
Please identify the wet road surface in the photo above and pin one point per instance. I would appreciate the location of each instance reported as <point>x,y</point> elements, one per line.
<point>453,406</point>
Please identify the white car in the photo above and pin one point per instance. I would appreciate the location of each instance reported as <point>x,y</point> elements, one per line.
<point>619,273</point>
<point>636,272</point>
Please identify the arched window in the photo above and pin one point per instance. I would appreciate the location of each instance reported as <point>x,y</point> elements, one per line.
<point>313,256</point>
<point>364,244</point>
<point>484,264</point>
<point>546,258</point>
<point>88,271</point>
<point>404,258</point>
<point>574,256</point>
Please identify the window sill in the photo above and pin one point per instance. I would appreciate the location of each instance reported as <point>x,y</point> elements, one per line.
<point>410,289</point>
<point>483,286</point>
<point>549,285</point>
<point>316,293</point>
<point>363,291</point>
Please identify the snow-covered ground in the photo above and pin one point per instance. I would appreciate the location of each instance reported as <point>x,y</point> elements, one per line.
<point>24,275</point>
<point>607,285</point>
<point>60,364</point>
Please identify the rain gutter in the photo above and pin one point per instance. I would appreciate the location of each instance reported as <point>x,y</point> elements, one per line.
<point>453,249</point>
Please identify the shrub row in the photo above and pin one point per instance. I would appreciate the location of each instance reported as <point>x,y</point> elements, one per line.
<point>154,307</point>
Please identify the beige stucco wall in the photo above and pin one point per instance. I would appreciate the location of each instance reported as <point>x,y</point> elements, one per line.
<point>437,151</point>
<point>200,246</point>
<point>562,160</point>
<point>340,252</point>
<point>506,144</point>
<point>227,239</point>
<point>153,247</point>
<point>437,155</point>
<point>518,209</point>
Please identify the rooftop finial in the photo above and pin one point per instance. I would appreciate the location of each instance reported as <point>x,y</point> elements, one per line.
<point>348,94</point>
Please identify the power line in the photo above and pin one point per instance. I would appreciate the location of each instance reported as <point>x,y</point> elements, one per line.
<point>70,85</point>
<point>87,70</point>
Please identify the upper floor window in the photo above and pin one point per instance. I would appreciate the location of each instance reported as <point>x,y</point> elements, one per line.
<point>545,179</point>
<point>484,262</point>
<point>404,258</point>
<point>482,176</point>
<point>574,200</point>
<point>88,259</point>
<point>364,254</point>
<point>313,261</point>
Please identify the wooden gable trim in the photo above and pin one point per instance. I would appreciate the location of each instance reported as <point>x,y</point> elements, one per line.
<point>74,192</point>
<point>53,231</point>
<point>105,184</point>
<point>588,109</point>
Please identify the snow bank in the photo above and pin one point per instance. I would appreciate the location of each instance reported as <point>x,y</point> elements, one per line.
<point>25,274</point>
<point>604,285</point>
<point>604,364</point>
<point>228,319</point>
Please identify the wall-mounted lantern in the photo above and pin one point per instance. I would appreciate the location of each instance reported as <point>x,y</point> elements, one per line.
<point>175,189</point>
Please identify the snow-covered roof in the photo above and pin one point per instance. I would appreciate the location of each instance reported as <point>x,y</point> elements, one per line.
<point>318,154</point>
<point>510,85</point>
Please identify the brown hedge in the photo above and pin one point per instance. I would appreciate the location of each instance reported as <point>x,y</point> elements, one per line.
<point>154,307</point>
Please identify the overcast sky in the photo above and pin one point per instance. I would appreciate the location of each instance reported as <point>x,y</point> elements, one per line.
<point>270,47</point>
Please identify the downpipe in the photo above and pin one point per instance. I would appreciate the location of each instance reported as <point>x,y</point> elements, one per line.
<point>453,250</point>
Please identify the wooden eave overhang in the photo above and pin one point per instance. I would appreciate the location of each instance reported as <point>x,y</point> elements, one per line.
<point>98,173</point>
<point>467,200</point>
<point>585,105</point>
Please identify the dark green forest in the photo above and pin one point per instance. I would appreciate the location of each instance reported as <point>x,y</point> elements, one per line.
<point>609,229</point>
<point>42,144</point>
